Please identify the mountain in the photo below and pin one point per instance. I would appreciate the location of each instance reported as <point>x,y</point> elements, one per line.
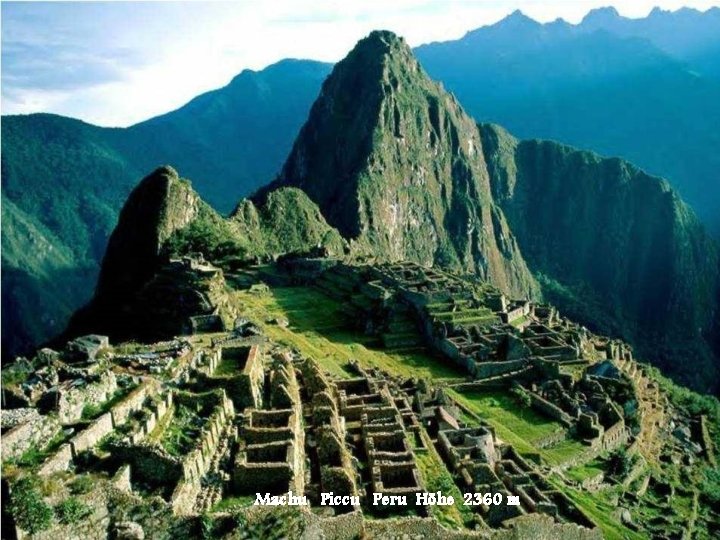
<point>614,248</point>
<point>68,180</point>
<point>64,181</point>
<point>218,136</point>
<point>139,297</point>
<point>395,164</point>
<point>688,34</point>
<point>616,86</point>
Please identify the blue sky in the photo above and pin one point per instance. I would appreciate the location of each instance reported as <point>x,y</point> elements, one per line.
<point>117,63</point>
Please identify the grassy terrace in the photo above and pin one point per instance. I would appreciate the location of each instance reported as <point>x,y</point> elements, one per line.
<point>317,328</point>
<point>580,473</point>
<point>518,426</point>
<point>436,477</point>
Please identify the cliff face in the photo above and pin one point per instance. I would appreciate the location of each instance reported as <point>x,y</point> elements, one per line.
<point>395,164</point>
<point>612,246</point>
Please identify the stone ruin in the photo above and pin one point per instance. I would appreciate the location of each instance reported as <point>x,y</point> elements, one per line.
<point>197,422</point>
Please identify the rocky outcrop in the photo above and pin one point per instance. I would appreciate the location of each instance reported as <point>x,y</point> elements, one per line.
<point>158,207</point>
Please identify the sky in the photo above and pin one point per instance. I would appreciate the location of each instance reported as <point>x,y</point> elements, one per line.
<point>118,63</point>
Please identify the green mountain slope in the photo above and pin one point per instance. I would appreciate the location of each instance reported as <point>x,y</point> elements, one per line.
<point>403,176</point>
<point>614,247</point>
<point>70,178</point>
<point>164,218</point>
<point>40,277</point>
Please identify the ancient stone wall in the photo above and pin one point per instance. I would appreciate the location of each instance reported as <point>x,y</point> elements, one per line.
<point>59,461</point>
<point>485,370</point>
<point>195,464</point>
<point>72,400</point>
<point>614,437</point>
<point>35,431</point>
<point>90,436</point>
<point>549,409</point>
<point>133,402</point>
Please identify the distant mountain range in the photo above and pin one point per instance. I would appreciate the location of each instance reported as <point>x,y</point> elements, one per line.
<point>647,90</point>
<point>613,85</point>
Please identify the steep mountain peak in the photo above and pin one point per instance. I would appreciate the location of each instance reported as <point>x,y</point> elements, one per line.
<point>396,165</point>
<point>376,57</point>
<point>381,38</point>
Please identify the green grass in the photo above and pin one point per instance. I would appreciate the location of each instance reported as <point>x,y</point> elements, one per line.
<point>228,504</point>
<point>580,473</point>
<point>34,456</point>
<point>513,422</point>
<point>182,432</point>
<point>436,477</point>
<point>92,411</point>
<point>318,329</point>
<point>599,509</point>
<point>227,367</point>
<point>519,426</point>
<point>562,452</point>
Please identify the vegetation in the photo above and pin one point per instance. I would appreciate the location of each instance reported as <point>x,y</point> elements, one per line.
<point>579,473</point>
<point>71,511</point>
<point>181,434</point>
<point>30,511</point>
<point>521,398</point>
<point>600,508</point>
<point>52,193</point>
<point>81,484</point>
<point>710,486</point>
<point>553,83</point>
<point>437,478</point>
<point>620,463</point>
<point>520,427</point>
<point>34,456</point>
<point>208,234</point>
<point>317,329</point>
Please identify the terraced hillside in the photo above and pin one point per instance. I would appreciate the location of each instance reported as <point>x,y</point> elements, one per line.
<point>303,391</point>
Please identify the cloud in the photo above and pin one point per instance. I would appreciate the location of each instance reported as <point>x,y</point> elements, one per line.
<point>122,62</point>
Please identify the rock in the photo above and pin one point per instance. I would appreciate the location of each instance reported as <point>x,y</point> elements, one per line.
<point>625,516</point>
<point>47,356</point>
<point>279,321</point>
<point>85,348</point>
<point>682,433</point>
<point>13,417</point>
<point>129,530</point>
